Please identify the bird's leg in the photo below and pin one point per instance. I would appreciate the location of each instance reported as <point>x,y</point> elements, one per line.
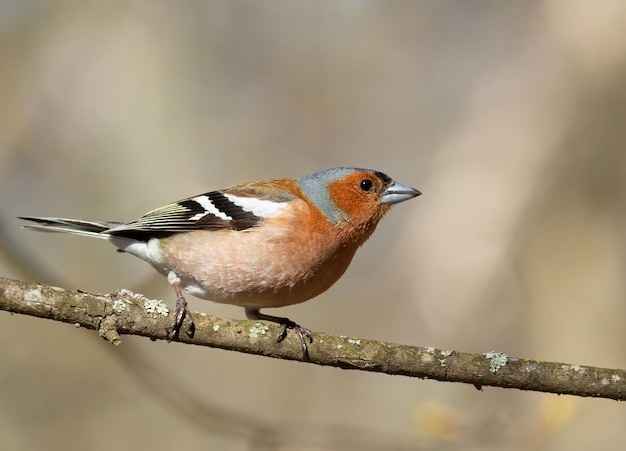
<point>181,312</point>
<point>285,324</point>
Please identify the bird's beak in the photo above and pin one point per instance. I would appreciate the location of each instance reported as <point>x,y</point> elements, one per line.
<point>397,193</point>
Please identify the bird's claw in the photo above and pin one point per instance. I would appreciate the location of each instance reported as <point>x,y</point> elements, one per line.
<point>181,313</point>
<point>285,324</point>
<point>302,332</point>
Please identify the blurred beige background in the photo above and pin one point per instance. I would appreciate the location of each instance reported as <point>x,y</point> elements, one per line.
<point>509,116</point>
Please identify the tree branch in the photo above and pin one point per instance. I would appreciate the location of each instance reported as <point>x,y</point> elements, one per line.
<point>123,312</point>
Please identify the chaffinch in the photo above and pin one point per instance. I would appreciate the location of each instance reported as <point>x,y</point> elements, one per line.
<point>263,244</point>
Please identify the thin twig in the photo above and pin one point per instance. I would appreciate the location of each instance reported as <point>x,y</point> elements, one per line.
<point>124,312</point>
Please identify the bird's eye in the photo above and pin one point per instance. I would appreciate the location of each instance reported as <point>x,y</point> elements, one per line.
<point>365,185</point>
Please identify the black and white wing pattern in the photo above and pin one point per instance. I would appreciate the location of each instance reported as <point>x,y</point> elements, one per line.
<point>237,209</point>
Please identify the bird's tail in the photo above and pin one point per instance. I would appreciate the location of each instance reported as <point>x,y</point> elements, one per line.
<point>95,229</point>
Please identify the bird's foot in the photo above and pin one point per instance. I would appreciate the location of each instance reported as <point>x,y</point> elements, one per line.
<point>286,324</point>
<point>303,334</point>
<point>181,313</point>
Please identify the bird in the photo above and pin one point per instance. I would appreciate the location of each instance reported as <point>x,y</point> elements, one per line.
<point>258,245</point>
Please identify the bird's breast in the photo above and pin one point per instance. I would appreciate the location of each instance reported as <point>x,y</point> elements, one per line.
<point>270,266</point>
